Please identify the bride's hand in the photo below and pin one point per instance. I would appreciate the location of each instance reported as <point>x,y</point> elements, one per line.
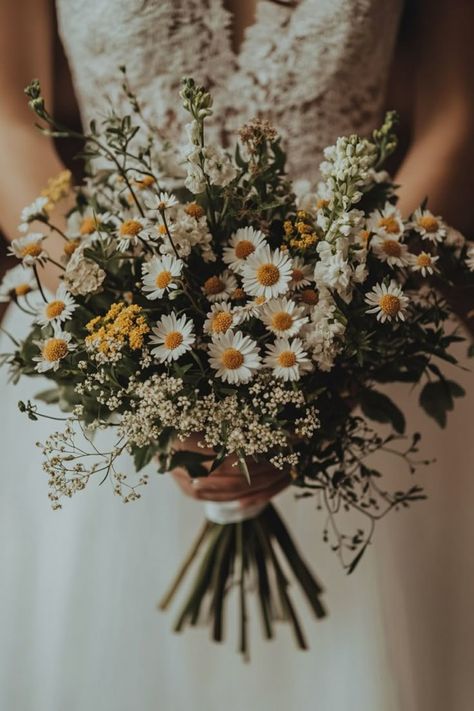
<point>227,483</point>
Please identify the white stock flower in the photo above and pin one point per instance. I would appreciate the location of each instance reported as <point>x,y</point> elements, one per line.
<point>388,302</point>
<point>18,281</point>
<point>234,357</point>
<point>172,337</point>
<point>244,242</point>
<point>83,276</point>
<point>266,273</point>
<point>58,309</point>
<point>323,335</point>
<point>159,275</point>
<point>287,359</point>
<point>283,317</point>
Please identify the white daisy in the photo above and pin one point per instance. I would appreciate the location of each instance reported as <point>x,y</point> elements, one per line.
<point>53,350</point>
<point>423,262</point>
<point>252,309</point>
<point>301,275</point>
<point>234,356</point>
<point>266,273</point>
<point>428,225</point>
<point>59,309</point>
<point>172,337</point>
<point>165,201</point>
<point>159,275</point>
<point>287,359</point>
<point>221,318</point>
<point>131,230</point>
<point>386,222</point>
<point>390,250</point>
<point>470,259</point>
<point>29,248</point>
<point>220,287</point>
<point>37,210</point>
<point>18,281</point>
<point>283,317</point>
<point>388,302</point>
<point>88,223</point>
<point>244,242</point>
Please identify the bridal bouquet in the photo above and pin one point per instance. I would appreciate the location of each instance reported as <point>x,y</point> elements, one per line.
<point>200,297</point>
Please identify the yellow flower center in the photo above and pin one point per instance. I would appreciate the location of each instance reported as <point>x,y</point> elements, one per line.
<point>238,294</point>
<point>55,349</point>
<point>232,359</point>
<point>194,210</point>
<point>54,309</point>
<point>221,322</point>
<point>146,181</point>
<point>32,250</point>
<point>282,321</point>
<point>244,248</point>
<point>162,230</point>
<point>390,304</point>
<point>214,285</point>
<point>260,300</point>
<point>423,260</point>
<point>268,274</point>
<point>390,225</point>
<point>309,296</point>
<point>173,339</point>
<point>429,223</point>
<point>163,279</point>
<point>297,275</point>
<point>22,289</point>
<point>130,228</point>
<point>392,248</point>
<point>321,203</point>
<point>287,359</point>
<point>71,246</point>
<point>88,226</point>
<point>364,235</point>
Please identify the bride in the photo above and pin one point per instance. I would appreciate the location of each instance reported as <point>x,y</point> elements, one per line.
<point>77,589</point>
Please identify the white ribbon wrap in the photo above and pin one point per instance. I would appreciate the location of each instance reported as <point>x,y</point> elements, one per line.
<point>230,511</point>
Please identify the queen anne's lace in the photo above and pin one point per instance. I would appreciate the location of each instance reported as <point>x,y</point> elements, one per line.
<point>317,70</point>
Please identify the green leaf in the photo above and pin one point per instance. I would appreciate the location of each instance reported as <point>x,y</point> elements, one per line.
<point>49,396</point>
<point>437,399</point>
<point>191,461</point>
<point>143,456</point>
<point>381,408</point>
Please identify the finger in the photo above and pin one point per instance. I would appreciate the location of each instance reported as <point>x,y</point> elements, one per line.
<point>265,495</point>
<point>240,493</point>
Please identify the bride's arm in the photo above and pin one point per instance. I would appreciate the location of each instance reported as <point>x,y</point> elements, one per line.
<point>28,158</point>
<point>439,162</point>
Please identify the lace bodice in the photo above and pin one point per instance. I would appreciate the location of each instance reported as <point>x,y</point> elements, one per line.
<point>316,70</point>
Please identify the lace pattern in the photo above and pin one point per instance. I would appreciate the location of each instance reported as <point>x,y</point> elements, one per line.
<point>316,70</point>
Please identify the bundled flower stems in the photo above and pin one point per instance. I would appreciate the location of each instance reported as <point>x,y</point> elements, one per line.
<point>199,296</point>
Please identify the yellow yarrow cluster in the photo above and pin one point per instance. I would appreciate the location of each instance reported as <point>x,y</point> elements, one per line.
<point>299,231</point>
<point>121,325</point>
<point>57,188</point>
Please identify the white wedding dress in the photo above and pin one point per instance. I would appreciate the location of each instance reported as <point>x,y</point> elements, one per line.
<point>78,628</point>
